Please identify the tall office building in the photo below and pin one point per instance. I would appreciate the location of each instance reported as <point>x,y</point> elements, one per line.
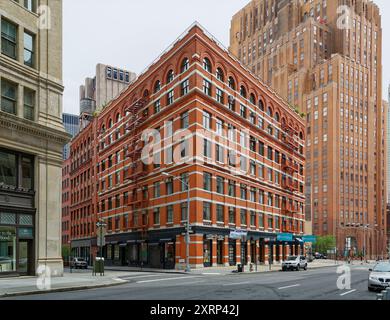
<point>325,58</point>
<point>32,137</point>
<point>72,126</point>
<point>106,85</point>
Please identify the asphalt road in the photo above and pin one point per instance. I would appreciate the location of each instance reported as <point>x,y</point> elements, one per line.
<point>314,284</point>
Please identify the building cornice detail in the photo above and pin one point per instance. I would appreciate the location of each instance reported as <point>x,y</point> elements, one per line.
<point>12,122</point>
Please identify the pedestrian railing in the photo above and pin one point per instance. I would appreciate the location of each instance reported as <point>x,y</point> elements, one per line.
<point>384,295</point>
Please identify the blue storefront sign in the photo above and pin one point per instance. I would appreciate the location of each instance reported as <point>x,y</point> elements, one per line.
<point>309,239</point>
<point>285,237</point>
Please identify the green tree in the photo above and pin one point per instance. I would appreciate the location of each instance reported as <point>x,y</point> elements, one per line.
<point>325,243</point>
<point>65,252</point>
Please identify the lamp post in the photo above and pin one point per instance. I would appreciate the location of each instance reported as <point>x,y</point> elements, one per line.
<point>101,225</point>
<point>187,185</point>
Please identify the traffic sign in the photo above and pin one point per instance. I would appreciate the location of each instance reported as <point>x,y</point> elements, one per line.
<point>285,237</point>
<point>310,239</point>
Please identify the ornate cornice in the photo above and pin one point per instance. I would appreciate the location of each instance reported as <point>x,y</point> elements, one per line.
<point>12,122</point>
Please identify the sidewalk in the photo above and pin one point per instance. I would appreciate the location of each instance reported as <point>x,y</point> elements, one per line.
<point>69,282</point>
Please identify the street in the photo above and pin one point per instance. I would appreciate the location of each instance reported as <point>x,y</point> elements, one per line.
<point>315,284</point>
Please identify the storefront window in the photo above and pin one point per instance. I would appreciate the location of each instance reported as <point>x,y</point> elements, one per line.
<point>27,173</point>
<point>7,249</point>
<point>8,169</point>
<point>207,253</point>
<point>116,252</point>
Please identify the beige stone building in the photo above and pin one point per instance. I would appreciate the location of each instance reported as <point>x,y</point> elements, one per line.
<point>106,85</point>
<point>325,58</point>
<point>32,136</point>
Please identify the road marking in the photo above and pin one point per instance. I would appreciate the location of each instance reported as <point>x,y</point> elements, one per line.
<point>288,287</point>
<point>345,293</point>
<point>167,279</point>
<point>120,280</point>
<point>235,284</point>
<point>139,276</point>
<point>188,283</point>
<point>211,274</point>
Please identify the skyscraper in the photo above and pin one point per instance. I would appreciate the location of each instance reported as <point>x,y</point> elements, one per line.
<point>72,126</point>
<point>325,59</point>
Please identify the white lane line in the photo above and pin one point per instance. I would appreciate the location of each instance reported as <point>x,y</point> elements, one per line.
<point>345,293</point>
<point>120,280</point>
<point>146,276</point>
<point>167,279</point>
<point>235,284</point>
<point>288,287</point>
<point>188,283</point>
<point>211,274</point>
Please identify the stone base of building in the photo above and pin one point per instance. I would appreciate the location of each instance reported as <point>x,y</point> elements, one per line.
<point>50,267</point>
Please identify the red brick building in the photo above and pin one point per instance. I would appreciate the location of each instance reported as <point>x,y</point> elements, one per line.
<point>83,192</point>
<point>196,114</point>
<point>66,191</point>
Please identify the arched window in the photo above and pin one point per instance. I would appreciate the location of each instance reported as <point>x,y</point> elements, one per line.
<point>269,112</point>
<point>261,105</point>
<point>103,128</point>
<point>277,117</point>
<point>252,98</point>
<point>231,83</point>
<point>118,118</point>
<point>110,124</point>
<point>219,74</point>
<point>207,65</point>
<point>243,91</point>
<point>301,135</point>
<point>185,65</point>
<point>157,86</point>
<point>170,76</point>
<point>146,93</point>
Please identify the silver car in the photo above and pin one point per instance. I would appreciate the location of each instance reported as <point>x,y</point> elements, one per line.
<point>295,263</point>
<point>379,277</point>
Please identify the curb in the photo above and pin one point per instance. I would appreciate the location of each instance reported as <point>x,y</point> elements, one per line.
<point>65,289</point>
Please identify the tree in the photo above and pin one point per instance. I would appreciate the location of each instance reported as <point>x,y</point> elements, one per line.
<point>65,252</point>
<point>325,243</point>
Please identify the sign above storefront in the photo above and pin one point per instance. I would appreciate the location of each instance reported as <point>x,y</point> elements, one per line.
<point>238,234</point>
<point>285,237</point>
<point>309,239</point>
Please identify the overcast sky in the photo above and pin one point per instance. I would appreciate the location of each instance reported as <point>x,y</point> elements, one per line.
<point>130,34</point>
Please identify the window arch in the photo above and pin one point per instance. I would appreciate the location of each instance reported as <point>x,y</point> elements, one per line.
<point>110,123</point>
<point>146,93</point>
<point>170,76</point>
<point>220,75</point>
<point>207,64</point>
<point>185,65</point>
<point>231,83</point>
<point>269,112</point>
<point>301,135</point>
<point>157,86</point>
<point>118,118</point>
<point>252,98</point>
<point>277,117</point>
<point>261,105</point>
<point>243,91</point>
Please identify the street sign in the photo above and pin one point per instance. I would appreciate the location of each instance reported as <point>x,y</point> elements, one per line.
<point>309,239</point>
<point>285,237</point>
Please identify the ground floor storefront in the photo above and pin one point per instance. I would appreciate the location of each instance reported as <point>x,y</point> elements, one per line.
<point>209,247</point>
<point>17,236</point>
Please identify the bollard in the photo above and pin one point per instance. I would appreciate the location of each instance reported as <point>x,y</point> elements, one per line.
<point>379,296</point>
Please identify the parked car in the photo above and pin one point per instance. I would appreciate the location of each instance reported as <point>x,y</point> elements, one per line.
<point>318,256</point>
<point>79,263</point>
<point>379,277</point>
<point>295,263</point>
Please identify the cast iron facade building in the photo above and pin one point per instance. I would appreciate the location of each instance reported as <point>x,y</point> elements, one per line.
<point>231,140</point>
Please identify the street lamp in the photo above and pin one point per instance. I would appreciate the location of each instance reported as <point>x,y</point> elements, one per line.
<point>365,226</point>
<point>188,267</point>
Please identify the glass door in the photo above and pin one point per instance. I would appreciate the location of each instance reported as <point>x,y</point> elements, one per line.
<point>25,256</point>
